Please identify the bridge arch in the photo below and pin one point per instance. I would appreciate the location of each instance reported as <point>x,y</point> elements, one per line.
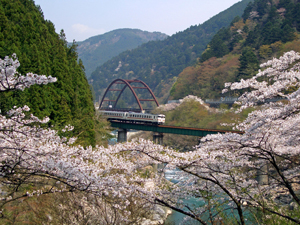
<point>127,83</point>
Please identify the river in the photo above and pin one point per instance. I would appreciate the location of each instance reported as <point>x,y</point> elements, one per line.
<point>177,218</point>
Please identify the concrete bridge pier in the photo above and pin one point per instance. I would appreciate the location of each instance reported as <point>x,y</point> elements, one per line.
<point>158,138</point>
<point>199,140</point>
<point>122,135</point>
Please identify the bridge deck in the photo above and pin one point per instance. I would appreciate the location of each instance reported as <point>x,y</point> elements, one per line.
<point>170,129</point>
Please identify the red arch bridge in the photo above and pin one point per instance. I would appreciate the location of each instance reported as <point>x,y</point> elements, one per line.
<point>117,88</point>
<point>158,130</point>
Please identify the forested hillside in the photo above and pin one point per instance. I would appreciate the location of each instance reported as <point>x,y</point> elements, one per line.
<point>98,49</point>
<point>266,29</point>
<point>158,63</point>
<point>24,31</point>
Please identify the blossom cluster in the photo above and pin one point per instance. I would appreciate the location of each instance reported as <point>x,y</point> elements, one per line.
<point>11,79</point>
<point>173,105</point>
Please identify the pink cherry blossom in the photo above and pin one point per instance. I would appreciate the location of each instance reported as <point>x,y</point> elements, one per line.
<point>224,170</point>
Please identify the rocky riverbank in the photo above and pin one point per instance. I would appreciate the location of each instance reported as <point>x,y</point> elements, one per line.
<point>160,214</point>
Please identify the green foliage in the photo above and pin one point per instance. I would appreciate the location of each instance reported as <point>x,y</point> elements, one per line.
<point>98,49</point>
<point>158,62</point>
<point>249,64</point>
<point>24,31</point>
<point>217,47</point>
<point>266,29</point>
<point>102,126</point>
<point>276,22</point>
<point>192,114</point>
<point>270,27</point>
<point>206,79</point>
<point>273,219</point>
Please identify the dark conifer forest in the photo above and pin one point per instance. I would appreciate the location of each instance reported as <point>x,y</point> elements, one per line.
<point>24,31</point>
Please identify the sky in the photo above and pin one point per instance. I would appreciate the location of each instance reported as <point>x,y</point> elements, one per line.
<point>82,19</point>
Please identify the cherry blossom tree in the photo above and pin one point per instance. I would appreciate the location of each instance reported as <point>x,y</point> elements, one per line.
<point>221,172</point>
<point>36,160</point>
<point>226,170</point>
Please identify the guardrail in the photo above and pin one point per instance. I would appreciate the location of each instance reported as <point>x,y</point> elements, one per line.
<point>231,100</point>
<point>228,100</point>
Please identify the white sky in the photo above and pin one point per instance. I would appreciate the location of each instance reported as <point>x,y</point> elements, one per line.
<point>82,19</point>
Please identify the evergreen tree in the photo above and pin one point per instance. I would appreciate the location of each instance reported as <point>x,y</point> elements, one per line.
<point>217,46</point>
<point>249,64</point>
<point>24,31</point>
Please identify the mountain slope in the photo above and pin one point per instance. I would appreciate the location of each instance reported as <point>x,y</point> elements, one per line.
<point>158,63</point>
<point>266,30</point>
<point>24,31</point>
<point>98,49</point>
